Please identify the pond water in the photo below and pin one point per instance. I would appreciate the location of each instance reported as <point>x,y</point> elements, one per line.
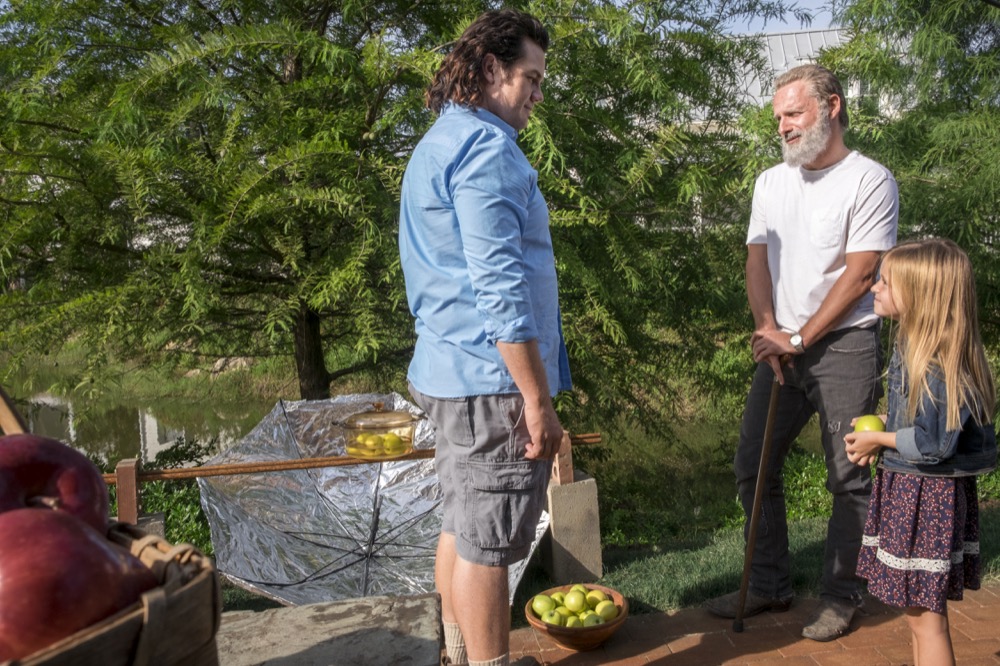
<point>112,432</point>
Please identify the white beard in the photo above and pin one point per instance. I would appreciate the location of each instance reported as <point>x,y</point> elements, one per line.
<point>812,143</point>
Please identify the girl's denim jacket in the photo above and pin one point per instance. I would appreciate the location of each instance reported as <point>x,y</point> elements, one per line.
<point>925,447</point>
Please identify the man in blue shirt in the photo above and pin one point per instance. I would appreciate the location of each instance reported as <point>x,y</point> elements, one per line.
<point>481,283</point>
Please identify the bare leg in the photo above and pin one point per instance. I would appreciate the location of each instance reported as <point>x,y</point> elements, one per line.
<point>444,569</point>
<point>479,600</point>
<point>931,637</point>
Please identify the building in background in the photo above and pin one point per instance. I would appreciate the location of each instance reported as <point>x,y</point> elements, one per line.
<point>785,50</point>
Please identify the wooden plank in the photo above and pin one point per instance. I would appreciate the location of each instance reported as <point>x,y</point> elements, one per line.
<point>562,466</point>
<point>126,478</point>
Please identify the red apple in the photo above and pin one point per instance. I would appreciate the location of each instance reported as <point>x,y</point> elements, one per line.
<point>45,473</point>
<point>58,576</point>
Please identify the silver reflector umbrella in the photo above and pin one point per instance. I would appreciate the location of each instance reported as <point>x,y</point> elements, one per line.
<point>321,534</point>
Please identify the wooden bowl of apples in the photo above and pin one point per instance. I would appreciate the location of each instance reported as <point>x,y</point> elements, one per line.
<point>578,616</point>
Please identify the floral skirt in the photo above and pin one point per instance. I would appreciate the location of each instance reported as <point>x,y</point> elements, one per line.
<point>921,540</point>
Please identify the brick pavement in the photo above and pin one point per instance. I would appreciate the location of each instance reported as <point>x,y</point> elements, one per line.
<point>879,635</point>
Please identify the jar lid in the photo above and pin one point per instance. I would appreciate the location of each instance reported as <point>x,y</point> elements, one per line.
<point>376,418</point>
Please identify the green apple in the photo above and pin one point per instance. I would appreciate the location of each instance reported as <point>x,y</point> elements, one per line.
<point>595,597</point>
<point>553,617</point>
<point>574,622</point>
<point>558,597</point>
<point>869,423</point>
<point>592,619</point>
<point>607,610</point>
<point>565,612</point>
<point>393,441</point>
<point>580,588</point>
<point>541,604</point>
<point>575,600</point>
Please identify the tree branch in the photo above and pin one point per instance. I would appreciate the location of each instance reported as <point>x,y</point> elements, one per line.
<point>55,176</point>
<point>54,126</point>
<point>13,202</point>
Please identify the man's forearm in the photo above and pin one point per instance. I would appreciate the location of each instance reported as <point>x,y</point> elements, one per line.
<point>524,362</point>
<point>525,365</point>
<point>758,285</point>
<point>852,285</point>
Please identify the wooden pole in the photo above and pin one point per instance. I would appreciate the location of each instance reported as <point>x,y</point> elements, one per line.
<point>126,478</point>
<point>299,463</point>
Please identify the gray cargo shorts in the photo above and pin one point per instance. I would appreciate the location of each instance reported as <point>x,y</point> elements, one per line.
<point>493,496</point>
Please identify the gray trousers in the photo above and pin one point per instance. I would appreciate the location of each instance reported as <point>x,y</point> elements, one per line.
<point>838,377</point>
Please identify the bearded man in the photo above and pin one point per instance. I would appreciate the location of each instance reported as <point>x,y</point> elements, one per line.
<point>819,223</point>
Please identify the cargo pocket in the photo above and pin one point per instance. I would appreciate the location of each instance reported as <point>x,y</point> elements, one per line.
<point>503,503</point>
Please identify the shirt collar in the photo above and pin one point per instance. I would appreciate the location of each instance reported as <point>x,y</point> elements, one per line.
<point>481,114</point>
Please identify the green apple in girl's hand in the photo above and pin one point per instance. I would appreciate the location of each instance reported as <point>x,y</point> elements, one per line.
<point>869,423</point>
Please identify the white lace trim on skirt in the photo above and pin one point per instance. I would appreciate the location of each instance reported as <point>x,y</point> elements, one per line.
<point>921,563</point>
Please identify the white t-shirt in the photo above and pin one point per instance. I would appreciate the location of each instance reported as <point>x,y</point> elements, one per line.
<point>810,221</point>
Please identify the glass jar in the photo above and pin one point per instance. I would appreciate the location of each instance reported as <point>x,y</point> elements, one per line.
<point>379,435</point>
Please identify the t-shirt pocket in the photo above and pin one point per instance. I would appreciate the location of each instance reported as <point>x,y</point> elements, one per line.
<point>826,227</point>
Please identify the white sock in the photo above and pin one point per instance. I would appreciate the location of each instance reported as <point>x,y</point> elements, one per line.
<point>499,661</point>
<point>454,644</point>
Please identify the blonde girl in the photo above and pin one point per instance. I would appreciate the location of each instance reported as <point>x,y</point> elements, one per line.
<point>921,539</point>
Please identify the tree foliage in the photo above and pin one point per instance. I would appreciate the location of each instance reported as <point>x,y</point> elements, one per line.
<point>932,114</point>
<point>218,178</point>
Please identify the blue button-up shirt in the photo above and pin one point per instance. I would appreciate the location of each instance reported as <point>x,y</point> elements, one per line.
<point>477,257</point>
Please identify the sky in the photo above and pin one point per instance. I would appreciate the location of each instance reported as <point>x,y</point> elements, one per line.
<point>818,8</point>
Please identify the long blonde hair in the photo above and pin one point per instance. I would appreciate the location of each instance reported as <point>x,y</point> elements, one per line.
<point>934,290</point>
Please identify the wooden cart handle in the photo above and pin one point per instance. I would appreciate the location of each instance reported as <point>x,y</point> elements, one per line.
<point>11,421</point>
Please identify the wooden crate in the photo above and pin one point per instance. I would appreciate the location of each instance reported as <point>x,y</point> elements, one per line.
<point>175,623</point>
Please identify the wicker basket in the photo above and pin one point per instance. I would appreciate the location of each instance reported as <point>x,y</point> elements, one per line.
<point>175,623</point>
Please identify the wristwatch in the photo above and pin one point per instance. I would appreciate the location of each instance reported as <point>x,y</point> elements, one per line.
<point>796,341</point>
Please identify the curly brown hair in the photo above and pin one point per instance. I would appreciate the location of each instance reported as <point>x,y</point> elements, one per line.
<point>500,32</point>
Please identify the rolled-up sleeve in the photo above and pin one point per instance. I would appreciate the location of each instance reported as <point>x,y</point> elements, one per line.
<point>491,191</point>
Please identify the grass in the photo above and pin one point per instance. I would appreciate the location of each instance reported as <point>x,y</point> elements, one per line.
<point>235,598</point>
<point>683,574</point>
<point>672,527</point>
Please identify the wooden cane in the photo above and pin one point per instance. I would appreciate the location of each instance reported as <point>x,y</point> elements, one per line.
<point>765,454</point>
